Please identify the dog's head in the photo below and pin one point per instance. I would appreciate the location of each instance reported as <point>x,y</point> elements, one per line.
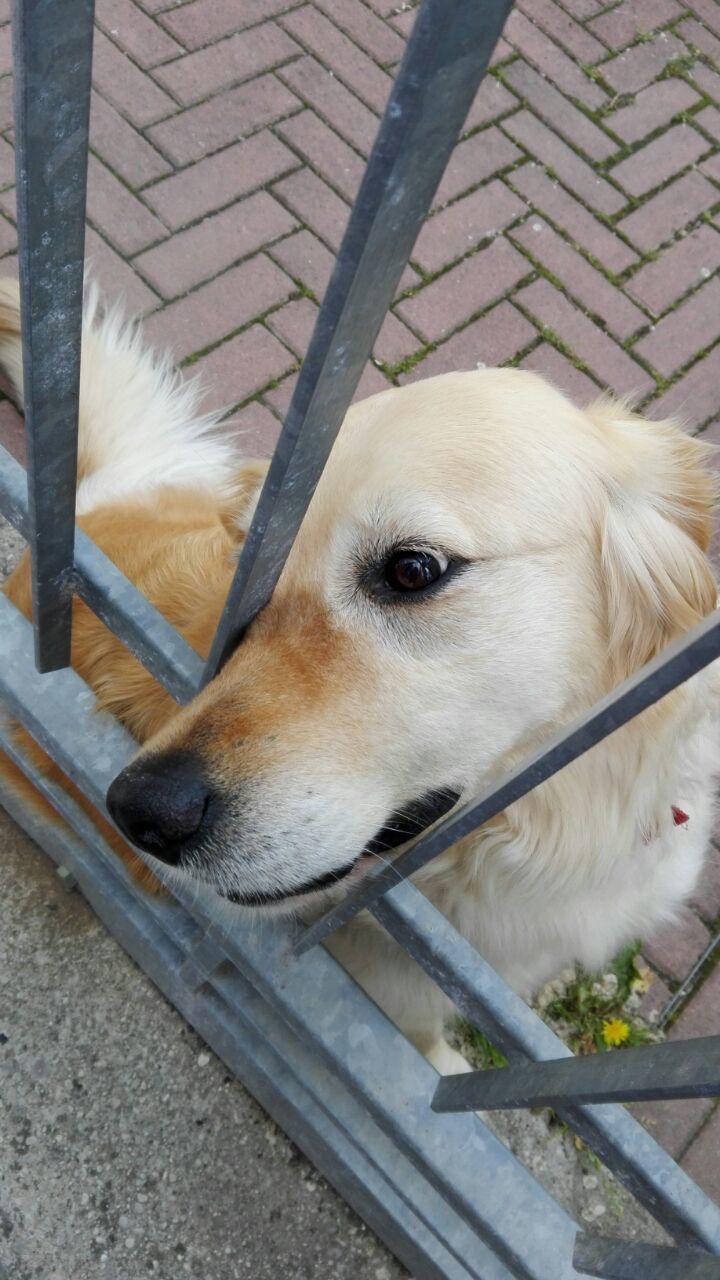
<point>480,561</point>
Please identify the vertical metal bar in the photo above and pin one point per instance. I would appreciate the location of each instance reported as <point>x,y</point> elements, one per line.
<point>52,42</point>
<point>447,54</point>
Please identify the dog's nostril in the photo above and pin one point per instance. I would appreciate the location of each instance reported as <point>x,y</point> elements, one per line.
<point>151,828</point>
<point>160,804</point>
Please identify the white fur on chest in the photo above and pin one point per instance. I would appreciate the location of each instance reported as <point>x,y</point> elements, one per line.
<point>620,886</point>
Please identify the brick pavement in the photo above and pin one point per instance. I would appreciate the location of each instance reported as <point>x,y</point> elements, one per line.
<point>576,232</point>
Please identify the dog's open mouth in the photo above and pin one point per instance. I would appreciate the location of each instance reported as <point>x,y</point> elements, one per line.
<point>401,826</point>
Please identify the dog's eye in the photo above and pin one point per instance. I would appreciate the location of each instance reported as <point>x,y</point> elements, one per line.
<point>413,570</point>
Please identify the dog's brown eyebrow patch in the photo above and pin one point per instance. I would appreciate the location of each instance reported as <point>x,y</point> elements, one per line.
<point>303,639</point>
<point>284,687</point>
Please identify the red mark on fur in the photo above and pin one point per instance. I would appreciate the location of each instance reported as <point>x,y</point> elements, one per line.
<point>679,817</point>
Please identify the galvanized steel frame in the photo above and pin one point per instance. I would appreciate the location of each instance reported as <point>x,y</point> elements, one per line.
<point>52,46</point>
<point>440,1189</point>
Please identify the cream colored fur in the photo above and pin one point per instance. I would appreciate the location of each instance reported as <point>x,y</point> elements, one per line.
<point>140,421</point>
<point>585,536</point>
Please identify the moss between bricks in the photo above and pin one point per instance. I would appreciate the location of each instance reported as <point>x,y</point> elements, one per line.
<point>190,360</point>
<point>595,317</point>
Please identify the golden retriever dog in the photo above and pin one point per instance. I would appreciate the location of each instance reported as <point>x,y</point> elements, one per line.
<point>481,561</point>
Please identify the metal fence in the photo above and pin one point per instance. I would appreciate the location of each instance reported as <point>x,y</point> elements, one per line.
<point>439,1188</point>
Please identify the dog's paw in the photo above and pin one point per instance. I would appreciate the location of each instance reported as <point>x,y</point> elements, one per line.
<point>446,1060</point>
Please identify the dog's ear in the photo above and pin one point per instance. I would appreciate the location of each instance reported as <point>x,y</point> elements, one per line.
<point>656,529</point>
<point>239,508</point>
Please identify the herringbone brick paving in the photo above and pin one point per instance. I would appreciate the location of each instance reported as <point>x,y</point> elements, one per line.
<point>576,232</point>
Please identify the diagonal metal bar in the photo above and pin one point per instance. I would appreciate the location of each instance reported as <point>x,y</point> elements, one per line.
<point>682,1069</point>
<point>53,53</point>
<point>482,997</point>
<point>447,54</point>
<point>110,595</point>
<point>618,1260</point>
<point>136,622</point>
<point>688,984</point>
<point>680,660</point>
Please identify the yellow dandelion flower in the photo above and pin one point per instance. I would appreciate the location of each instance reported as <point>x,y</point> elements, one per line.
<point>615,1031</point>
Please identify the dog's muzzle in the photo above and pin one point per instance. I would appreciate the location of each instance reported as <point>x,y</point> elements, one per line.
<point>401,826</point>
<point>165,806</point>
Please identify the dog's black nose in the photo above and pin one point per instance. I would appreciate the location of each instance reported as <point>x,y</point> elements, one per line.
<point>160,803</point>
